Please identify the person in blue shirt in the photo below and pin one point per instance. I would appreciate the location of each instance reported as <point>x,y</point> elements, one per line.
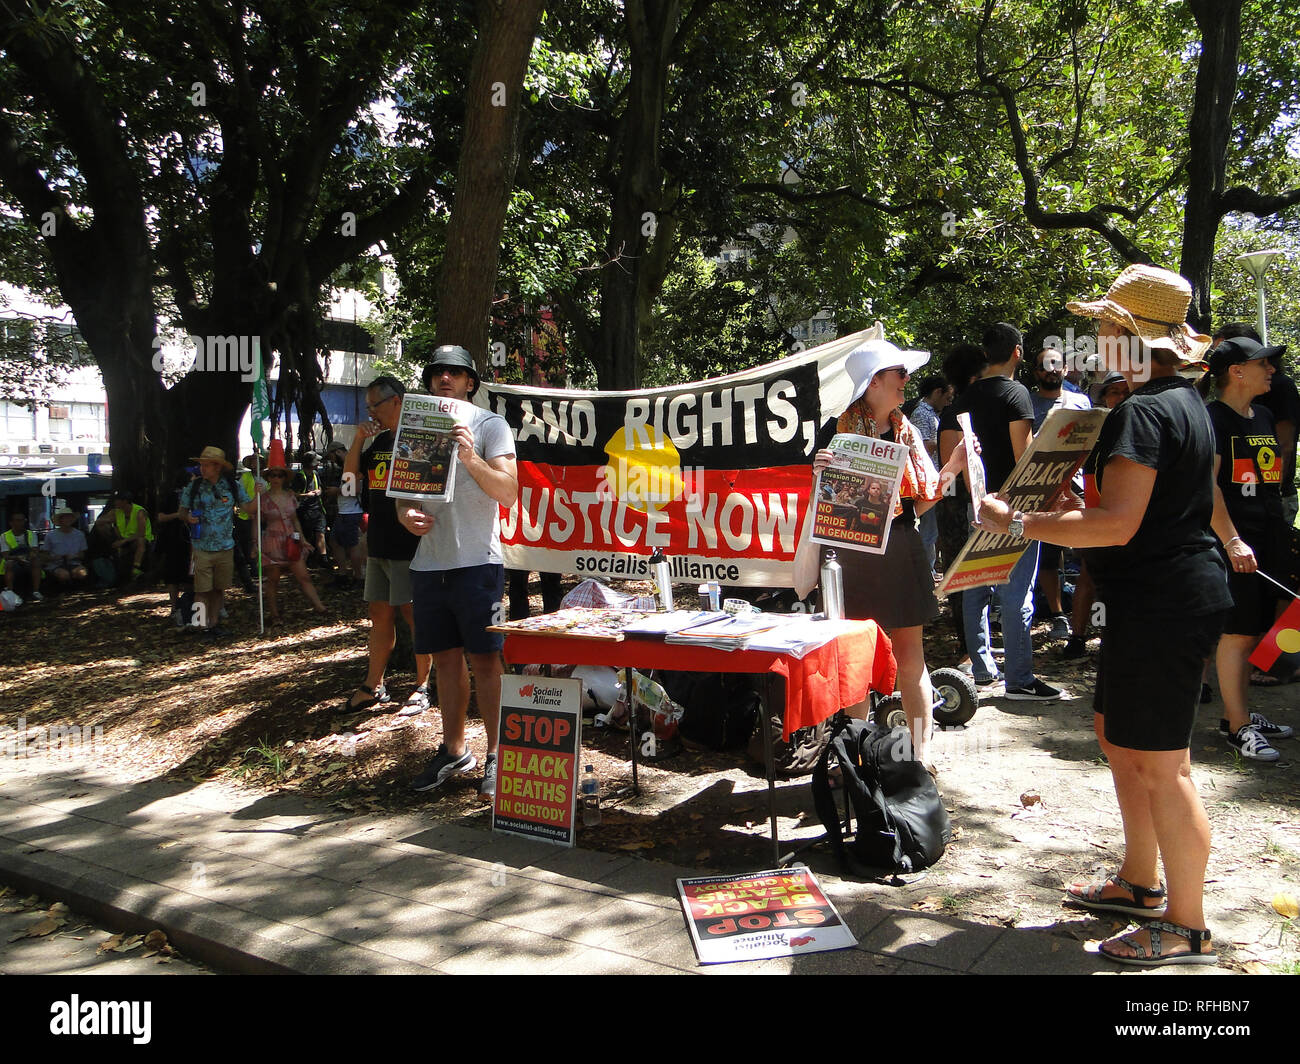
<point>208,506</point>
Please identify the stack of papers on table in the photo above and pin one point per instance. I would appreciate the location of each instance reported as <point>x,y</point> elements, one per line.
<point>800,634</point>
<point>657,624</point>
<point>727,632</point>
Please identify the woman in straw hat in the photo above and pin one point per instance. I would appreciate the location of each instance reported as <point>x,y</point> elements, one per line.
<point>1163,586</point>
<point>1251,525</point>
<point>895,589</point>
<point>283,546</point>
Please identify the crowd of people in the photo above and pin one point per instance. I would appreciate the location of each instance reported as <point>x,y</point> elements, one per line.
<point>1178,511</point>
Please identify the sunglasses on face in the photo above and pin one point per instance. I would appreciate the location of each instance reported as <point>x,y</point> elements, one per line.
<point>372,407</point>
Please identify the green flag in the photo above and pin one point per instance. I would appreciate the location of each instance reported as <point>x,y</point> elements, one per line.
<point>261,409</point>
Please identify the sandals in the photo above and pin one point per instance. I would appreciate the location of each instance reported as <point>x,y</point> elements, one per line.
<point>374,695</point>
<point>1090,897</point>
<point>416,702</point>
<point>1153,956</point>
<point>1264,679</point>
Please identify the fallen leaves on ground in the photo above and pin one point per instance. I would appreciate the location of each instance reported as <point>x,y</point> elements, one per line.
<point>1286,905</point>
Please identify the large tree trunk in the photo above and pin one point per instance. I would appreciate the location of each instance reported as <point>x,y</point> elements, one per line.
<point>651,29</point>
<point>1208,133</point>
<point>485,173</point>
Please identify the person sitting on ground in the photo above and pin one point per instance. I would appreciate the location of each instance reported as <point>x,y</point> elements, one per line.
<point>20,558</point>
<point>283,544</point>
<point>65,550</point>
<point>134,536</point>
<point>896,588</point>
<point>1249,521</point>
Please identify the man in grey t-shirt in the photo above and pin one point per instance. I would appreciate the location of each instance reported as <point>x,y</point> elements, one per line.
<point>457,579</point>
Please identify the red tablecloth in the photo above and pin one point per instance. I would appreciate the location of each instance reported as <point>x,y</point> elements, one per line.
<point>825,680</point>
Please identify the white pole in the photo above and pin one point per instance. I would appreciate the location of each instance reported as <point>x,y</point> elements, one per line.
<point>257,476</point>
<point>1272,581</point>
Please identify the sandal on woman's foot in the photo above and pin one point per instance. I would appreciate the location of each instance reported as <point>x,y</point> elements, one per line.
<point>1152,955</point>
<point>416,702</point>
<point>1264,679</point>
<point>1090,897</point>
<point>374,695</point>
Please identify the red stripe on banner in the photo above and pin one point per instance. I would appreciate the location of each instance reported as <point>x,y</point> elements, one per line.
<point>729,513</point>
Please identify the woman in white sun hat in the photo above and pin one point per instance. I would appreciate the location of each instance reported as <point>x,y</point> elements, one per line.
<point>895,589</point>
<point>1163,586</point>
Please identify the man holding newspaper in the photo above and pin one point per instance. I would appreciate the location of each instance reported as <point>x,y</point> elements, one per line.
<point>457,576</point>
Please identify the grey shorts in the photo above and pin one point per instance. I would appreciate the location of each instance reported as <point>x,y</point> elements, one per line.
<point>388,581</point>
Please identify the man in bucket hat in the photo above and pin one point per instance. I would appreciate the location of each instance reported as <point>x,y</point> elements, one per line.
<point>208,505</point>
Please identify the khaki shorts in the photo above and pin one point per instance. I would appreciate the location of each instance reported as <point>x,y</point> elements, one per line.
<point>388,581</point>
<point>214,570</point>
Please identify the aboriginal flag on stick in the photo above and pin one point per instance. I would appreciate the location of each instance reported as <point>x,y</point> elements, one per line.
<point>1278,652</point>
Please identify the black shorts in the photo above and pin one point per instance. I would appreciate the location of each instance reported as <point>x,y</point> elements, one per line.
<point>453,607</point>
<point>1149,677</point>
<point>1049,556</point>
<point>312,522</point>
<point>1254,599</point>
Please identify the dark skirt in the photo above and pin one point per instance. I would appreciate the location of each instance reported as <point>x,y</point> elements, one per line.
<point>894,589</point>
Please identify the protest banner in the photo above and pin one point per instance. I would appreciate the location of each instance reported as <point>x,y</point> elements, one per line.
<point>975,478</point>
<point>423,465</point>
<point>539,740</point>
<point>767,914</point>
<point>717,473</point>
<point>856,494</point>
<point>1048,464</point>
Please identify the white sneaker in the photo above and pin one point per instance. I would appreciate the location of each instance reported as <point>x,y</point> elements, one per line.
<point>1251,745</point>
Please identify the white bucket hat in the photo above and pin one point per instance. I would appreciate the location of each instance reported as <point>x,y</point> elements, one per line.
<point>866,361</point>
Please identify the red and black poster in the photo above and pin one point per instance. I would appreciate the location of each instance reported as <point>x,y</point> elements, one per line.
<point>766,914</point>
<point>539,741</point>
<point>717,473</point>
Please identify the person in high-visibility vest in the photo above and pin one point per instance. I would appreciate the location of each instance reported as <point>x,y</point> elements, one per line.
<point>20,556</point>
<point>134,532</point>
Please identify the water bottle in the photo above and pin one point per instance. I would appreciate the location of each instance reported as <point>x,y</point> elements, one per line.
<point>590,787</point>
<point>196,530</point>
<point>663,577</point>
<point>832,588</point>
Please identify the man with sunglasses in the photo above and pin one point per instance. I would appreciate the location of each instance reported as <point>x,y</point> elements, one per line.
<point>390,547</point>
<point>457,576</point>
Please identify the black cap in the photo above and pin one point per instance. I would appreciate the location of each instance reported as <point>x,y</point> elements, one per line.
<point>450,355</point>
<point>1237,350</point>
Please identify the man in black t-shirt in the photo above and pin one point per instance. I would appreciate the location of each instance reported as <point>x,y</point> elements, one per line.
<point>390,548</point>
<point>1002,416</point>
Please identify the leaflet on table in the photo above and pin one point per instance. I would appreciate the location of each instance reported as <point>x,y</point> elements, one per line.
<point>856,494</point>
<point>975,479</point>
<point>672,621</point>
<point>424,447</point>
<point>728,632</point>
<point>799,636</point>
<point>1050,461</point>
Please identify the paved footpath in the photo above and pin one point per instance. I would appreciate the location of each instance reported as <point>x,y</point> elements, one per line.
<point>264,884</point>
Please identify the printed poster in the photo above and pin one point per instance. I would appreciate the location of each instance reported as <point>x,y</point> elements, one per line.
<point>1048,464</point>
<point>539,741</point>
<point>781,913</point>
<point>975,479</point>
<point>856,494</point>
<point>424,447</point>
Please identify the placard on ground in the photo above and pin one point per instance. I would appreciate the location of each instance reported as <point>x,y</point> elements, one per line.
<point>540,738</point>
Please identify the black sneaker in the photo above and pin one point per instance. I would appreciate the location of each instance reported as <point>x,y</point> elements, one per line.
<point>1035,692</point>
<point>443,766</point>
<point>487,790</point>
<point>1265,727</point>
<point>1074,648</point>
<point>1251,745</point>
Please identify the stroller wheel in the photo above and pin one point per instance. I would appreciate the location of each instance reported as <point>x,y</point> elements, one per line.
<point>955,697</point>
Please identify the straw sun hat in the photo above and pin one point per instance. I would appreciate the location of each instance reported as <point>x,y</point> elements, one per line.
<point>1150,303</point>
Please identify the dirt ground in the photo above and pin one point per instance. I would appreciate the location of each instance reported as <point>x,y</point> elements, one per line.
<point>1028,793</point>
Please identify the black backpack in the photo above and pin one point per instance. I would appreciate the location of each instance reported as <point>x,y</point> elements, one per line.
<point>720,707</point>
<point>902,824</point>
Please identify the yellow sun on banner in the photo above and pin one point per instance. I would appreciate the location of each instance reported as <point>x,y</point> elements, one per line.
<point>1288,641</point>
<point>642,476</point>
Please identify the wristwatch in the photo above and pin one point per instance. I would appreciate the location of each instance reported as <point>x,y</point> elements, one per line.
<point>1016,527</point>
